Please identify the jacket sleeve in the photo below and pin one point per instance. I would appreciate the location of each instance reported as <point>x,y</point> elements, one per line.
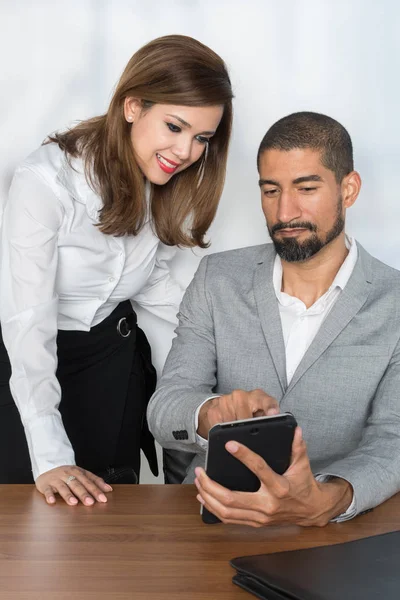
<point>162,294</point>
<point>373,468</point>
<point>28,314</point>
<point>189,374</point>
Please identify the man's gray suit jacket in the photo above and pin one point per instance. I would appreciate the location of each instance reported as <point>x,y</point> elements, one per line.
<point>345,393</point>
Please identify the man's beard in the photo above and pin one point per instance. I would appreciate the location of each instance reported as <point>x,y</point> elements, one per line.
<point>291,250</point>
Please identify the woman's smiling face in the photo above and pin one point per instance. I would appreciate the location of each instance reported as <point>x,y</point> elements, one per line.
<point>167,139</point>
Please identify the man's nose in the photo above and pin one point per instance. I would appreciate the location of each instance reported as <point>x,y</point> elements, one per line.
<point>288,207</point>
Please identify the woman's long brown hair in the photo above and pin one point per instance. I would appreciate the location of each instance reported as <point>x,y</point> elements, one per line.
<point>176,70</point>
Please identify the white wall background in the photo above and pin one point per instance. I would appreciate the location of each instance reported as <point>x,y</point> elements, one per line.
<point>60,61</point>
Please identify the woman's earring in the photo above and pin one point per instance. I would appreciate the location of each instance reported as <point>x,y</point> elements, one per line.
<point>202,167</point>
<point>129,118</point>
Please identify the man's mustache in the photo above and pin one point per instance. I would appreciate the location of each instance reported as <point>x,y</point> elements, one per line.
<point>301,225</point>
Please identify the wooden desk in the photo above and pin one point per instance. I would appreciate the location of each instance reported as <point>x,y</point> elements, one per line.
<point>147,543</point>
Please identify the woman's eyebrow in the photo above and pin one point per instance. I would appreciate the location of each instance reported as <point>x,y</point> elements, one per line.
<point>188,125</point>
<point>180,120</point>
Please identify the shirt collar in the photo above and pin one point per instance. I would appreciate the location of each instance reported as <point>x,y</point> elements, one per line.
<point>345,271</point>
<point>341,278</point>
<point>72,177</point>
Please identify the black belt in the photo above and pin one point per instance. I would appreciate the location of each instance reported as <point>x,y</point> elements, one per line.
<point>126,324</point>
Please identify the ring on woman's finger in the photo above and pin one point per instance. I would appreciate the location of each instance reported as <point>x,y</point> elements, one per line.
<point>69,479</point>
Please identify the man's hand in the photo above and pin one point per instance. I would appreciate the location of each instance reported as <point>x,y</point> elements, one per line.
<point>232,407</point>
<point>294,497</point>
<point>73,484</point>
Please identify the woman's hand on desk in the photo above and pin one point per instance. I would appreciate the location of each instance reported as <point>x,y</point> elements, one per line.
<point>73,484</point>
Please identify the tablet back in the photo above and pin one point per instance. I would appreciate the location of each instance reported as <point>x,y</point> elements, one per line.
<point>270,437</point>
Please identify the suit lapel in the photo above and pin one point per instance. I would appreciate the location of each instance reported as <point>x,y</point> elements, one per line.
<point>350,301</point>
<point>268,312</point>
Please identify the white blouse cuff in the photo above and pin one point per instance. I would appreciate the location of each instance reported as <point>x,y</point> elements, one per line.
<point>48,443</point>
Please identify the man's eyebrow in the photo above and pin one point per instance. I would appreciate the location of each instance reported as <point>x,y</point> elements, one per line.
<point>262,182</point>
<point>303,179</point>
<point>307,178</point>
<point>188,125</point>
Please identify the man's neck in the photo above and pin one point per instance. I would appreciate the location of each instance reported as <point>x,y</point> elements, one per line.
<point>310,279</point>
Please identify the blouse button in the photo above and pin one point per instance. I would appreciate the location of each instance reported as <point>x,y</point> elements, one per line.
<point>111,279</point>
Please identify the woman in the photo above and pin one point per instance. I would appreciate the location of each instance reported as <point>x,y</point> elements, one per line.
<point>91,222</point>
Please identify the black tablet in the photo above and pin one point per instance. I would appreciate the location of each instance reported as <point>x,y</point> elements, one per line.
<point>270,437</point>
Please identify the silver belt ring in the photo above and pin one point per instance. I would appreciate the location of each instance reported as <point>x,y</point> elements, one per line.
<point>70,478</point>
<point>123,328</point>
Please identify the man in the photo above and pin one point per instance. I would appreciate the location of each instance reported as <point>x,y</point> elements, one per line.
<point>310,322</point>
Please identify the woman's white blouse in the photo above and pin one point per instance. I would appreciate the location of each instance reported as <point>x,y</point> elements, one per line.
<point>58,271</point>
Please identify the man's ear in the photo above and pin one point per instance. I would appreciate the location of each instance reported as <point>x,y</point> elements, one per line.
<point>132,109</point>
<point>350,188</point>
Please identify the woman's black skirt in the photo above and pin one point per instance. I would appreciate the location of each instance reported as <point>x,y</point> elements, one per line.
<point>106,379</point>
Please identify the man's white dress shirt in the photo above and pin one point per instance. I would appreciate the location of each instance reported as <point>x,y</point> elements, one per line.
<point>301,324</point>
<point>58,271</point>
